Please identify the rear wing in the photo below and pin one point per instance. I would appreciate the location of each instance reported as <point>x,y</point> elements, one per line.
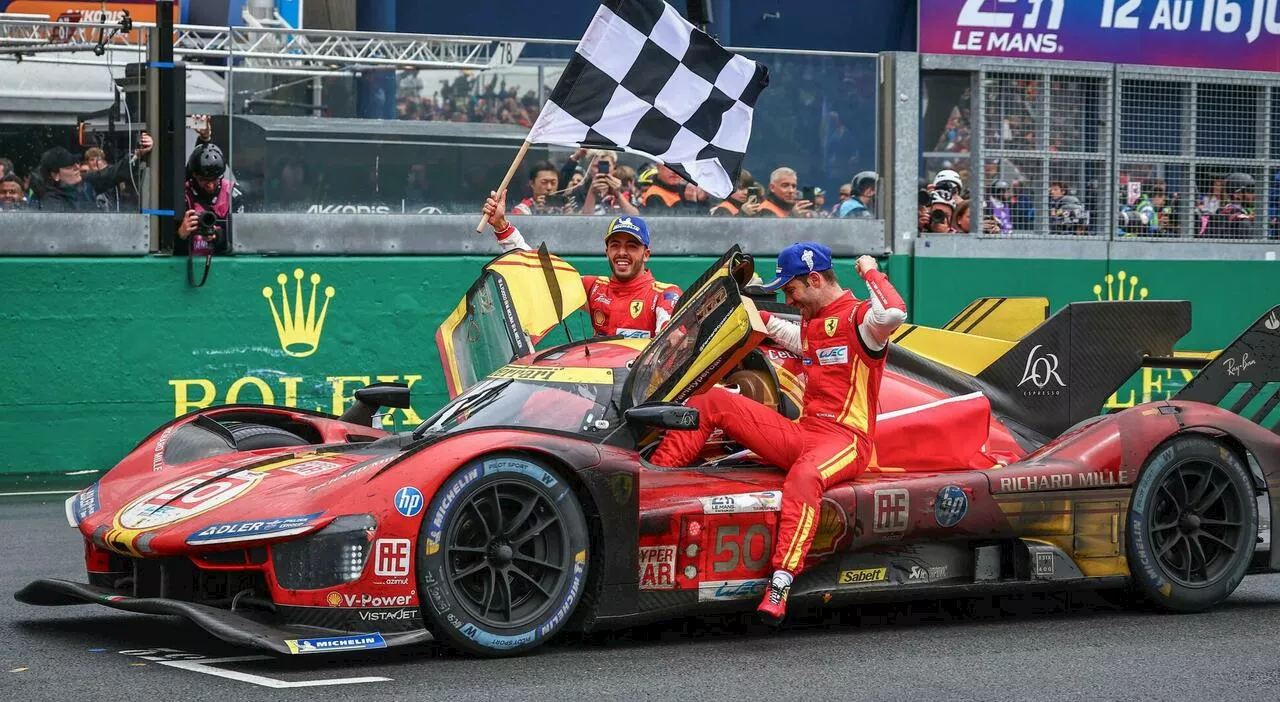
<point>1245,377</point>
<point>1052,376</point>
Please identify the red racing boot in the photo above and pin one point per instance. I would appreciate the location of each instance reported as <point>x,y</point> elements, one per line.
<point>773,607</point>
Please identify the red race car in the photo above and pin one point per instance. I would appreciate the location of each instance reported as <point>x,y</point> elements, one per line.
<point>525,505</point>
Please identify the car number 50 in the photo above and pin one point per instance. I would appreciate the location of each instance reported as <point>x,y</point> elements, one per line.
<point>735,549</point>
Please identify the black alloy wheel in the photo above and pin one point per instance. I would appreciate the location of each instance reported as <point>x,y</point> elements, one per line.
<point>507,554</point>
<point>502,555</point>
<point>1196,522</point>
<point>1192,525</point>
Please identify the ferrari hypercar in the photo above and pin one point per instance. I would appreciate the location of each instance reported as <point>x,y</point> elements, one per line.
<point>526,505</point>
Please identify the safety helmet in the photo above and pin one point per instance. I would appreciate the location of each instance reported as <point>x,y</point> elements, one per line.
<point>1071,212</point>
<point>863,180</point>
<point>647,175</point>
<point>948,178</point>
<point>206,161</point>
<point>1238,182</point>
<point>941,197</point>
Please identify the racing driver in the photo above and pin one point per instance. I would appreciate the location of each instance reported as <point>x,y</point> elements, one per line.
<point>842,342</point>
<point>630,302</point>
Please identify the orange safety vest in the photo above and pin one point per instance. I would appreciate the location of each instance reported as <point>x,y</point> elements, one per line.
<point>769,207</point>
<point>669,198</point>
<point>727,206</point>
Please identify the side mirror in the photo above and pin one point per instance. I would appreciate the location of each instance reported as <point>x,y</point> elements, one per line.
<point>384,395</point>
<point>664,415</point>
<point>371,398</point>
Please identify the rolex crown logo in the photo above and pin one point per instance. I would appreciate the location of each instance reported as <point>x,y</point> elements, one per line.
<point>1119,292</point>
<point>299,329</point>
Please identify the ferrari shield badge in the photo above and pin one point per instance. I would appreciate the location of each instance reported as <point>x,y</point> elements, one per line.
<point>829,325</point>
<point>637,306</point>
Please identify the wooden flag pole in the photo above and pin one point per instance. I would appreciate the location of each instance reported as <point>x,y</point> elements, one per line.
<point>524,148</point>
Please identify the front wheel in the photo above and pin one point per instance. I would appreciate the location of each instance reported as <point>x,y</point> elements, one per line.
<point>1193,521</point>
<point>502,556</point>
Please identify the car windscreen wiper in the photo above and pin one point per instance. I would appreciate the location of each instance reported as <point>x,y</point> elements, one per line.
<point>483,397</point>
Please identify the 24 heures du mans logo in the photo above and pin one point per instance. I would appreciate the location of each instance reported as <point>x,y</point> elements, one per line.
<point>299,317</point>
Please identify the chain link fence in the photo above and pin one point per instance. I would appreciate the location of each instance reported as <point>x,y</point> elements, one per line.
<point>1106,152</point>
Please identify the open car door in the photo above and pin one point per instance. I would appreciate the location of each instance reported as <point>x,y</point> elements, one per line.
<point>519,297</point>
<point>713,328</point>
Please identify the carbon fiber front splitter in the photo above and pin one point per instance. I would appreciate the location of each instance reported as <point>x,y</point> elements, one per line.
<point>227,625</point>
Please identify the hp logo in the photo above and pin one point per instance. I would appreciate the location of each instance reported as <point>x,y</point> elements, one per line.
<point>408,501</point>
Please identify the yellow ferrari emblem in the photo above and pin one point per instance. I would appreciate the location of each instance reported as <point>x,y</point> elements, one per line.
<point>829,324</point>
<point>637,306</point>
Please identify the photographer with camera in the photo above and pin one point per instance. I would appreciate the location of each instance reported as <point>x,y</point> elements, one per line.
<point>744,201</point>
<point>941,210</point>
<point>605,194</point>
<point>785,198</point>
<point>60,185</point>
<point>544,179</point>
<point>211,199</point>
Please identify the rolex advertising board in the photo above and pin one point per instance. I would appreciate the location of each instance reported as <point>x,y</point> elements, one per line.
<point>98,352</point>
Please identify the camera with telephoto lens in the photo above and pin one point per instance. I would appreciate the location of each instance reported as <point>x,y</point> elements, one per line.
<point>938,217</point>
<point>207,223</point>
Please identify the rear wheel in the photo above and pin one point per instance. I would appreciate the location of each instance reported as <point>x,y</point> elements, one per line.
<point>1193,521</point>
<point>260,436</point>
<point>502,556</point>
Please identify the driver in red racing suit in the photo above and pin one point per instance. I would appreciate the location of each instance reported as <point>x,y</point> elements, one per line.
<point>629,303</point>
<point>842,343</point>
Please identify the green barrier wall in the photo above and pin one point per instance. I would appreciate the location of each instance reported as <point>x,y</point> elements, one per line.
<point>97,352</point>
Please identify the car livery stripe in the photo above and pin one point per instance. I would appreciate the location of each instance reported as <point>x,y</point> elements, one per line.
<point>555,374</point>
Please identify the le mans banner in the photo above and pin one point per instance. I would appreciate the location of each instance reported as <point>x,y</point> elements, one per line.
<point>1217,34</point>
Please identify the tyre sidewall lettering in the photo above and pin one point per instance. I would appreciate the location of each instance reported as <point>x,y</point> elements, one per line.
<point>440,602</point>
<point>1149,573</point>
<point>1137,522</point>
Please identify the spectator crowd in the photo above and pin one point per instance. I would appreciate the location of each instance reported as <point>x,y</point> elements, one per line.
<point>66,182</point>
<point>1146,206</point>
<point>592,182</point>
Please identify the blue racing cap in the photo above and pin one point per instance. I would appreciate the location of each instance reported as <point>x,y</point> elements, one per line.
<point>800,259</point>
<point>629,225</point>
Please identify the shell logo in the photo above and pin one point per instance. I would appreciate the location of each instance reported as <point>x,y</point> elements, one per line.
<point>334,599</point>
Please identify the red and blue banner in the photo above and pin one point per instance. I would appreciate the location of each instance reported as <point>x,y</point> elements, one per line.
<point>1219,34</point>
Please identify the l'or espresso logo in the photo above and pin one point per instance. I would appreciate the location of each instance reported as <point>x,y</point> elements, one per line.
<point>299,317</point>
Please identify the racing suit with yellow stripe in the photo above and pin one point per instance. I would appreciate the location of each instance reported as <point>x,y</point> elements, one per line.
<point>843,351</point>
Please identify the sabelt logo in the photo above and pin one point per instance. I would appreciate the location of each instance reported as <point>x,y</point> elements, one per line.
<point>863,575</point>
<point>364,599</point>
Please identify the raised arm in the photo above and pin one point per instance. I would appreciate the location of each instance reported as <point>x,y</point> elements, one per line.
<point>888,311</point>
<point>495,210</point>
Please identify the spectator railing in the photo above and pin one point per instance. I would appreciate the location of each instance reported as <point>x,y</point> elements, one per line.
<point>1098,150</point>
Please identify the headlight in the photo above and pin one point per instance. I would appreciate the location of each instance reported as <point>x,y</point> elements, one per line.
<point>334,555</point>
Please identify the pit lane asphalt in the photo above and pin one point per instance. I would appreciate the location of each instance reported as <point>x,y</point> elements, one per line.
<point>1028,648</point>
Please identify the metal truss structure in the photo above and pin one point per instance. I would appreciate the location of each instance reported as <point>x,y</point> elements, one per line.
<point>261,49</point>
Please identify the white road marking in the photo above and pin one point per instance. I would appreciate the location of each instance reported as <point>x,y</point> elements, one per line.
<point>197,663</point>
<point>38,492</point>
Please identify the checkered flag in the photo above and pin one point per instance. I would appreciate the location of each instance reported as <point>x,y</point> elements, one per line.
<point>646,81</point>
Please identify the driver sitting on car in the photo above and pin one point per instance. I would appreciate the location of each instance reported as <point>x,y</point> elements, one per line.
<point>630,302</point>
<point>843,343</point>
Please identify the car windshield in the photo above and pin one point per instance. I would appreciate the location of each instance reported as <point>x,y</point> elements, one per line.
<point>546,399</point>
